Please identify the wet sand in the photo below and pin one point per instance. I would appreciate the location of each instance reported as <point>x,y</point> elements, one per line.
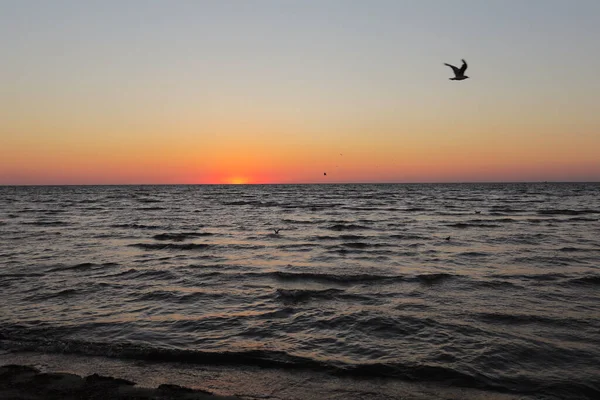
<point>28,383</point>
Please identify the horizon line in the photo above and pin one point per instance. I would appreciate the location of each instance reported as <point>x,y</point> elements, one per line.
<point>291,184</point>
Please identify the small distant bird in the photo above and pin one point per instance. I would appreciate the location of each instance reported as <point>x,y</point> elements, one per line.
<point>459,73</point>
<point>325,173</point>
<point>276,231</point>
<point>477,212</point>
<point>448,238</point>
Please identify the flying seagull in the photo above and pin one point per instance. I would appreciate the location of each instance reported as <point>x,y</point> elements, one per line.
<point>459,73</point>
<point>276,231</point>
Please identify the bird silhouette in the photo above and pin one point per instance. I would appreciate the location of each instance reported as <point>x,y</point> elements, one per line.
<point>459,73</point>
<point>324,173</point>
<point>448,238</point>
<point>276,231</point>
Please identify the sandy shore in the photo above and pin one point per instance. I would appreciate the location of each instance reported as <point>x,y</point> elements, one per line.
<point>20,382</point>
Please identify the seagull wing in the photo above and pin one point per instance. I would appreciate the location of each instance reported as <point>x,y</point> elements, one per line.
<point>456,70</point>
<point>463,68</point>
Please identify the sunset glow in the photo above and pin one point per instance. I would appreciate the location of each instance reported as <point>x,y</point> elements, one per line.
<point>238,181</point>
<point>232,95</point>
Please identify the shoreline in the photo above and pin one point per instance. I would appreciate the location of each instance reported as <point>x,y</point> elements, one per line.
<point>27,382</point>
<point>60,376</point>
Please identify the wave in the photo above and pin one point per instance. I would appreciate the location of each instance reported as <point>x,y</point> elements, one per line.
<point>54,295</point>
<point>351,279</point>
<point>142,200</point>
<point>473,254</point>
<point>545,260</point>
<point>332,278</point>
<point>133,274</point>
<point>82,267</point>
<point>171,246</point>
<point>46,223</point>
<point>359,208</point>
<point>464,225</point>
<point>435,278</point>
<point>494,220</point>
<point>408,236</point>
<point>94,208</point>
<point>27,211</point>
<point>302,295</point>
<point>297,221</point>
<point>549,220</point>
<point>346,227</point>
<point>313,206</point>
<point>582,219</point>
<point>263,358</point>
<point>242,246</point>
<point>550,277</point>
<point>526,319</point>
<point>296,246</point>
<point>496,284</point>
<point>589,280</point>
<point>343,279</point>
<point>123,273</point>
<point>351,237</point>
<point>358,249</point>
<point>255,203</point>
<point>569,249</point>
<point>324,237</point>
<point>566,212</point>
<point>87,201</point>
<point>335,279</point>
<point>53,212</point>
<point>356,245</point>
<point>32,340</point>
<point>415,209</point>
<point>502,210</point>
<point>177,297</point>
<point>21,275</point>
<point>136,226</point>
<point>180,237</point>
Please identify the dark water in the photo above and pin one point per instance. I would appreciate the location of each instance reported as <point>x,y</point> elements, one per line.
<point>360,280</point>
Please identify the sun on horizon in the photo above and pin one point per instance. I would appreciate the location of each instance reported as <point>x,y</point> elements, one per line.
<point>238,180</point>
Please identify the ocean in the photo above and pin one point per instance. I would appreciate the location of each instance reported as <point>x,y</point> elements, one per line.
<point>494,287</point>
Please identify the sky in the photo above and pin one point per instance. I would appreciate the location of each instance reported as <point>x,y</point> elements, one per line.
<point>283,91</point>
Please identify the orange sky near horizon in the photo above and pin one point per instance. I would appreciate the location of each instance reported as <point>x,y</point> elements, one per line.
<point>292,154</point>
